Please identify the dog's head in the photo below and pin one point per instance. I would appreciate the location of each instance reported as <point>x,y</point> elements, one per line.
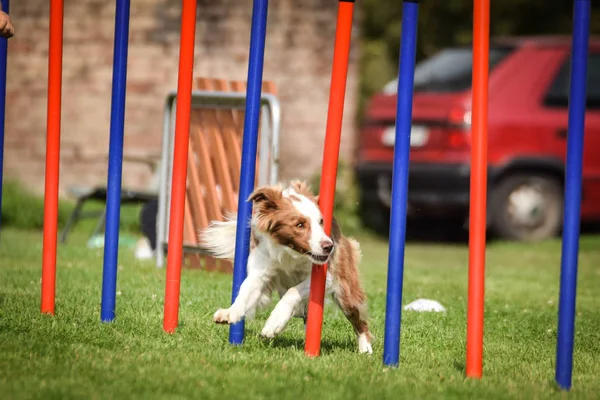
<point>291,217</point>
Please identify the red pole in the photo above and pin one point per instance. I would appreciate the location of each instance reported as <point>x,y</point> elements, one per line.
<point>180,159</point>
<point>337,92</point>
<point>477,223</point>
<point>52,156</point>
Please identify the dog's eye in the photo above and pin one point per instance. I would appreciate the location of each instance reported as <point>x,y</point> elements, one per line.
<point>321,221</point>
<point>300,225</point>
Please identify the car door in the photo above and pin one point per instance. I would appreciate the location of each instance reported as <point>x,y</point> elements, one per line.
<point>557,99</point>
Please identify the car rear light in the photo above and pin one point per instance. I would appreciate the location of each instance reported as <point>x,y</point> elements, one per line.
<point>388,137</point>
<point>458,136</point>
<point>419,136</point>
<point>459,116</point>
<point>459,139</point>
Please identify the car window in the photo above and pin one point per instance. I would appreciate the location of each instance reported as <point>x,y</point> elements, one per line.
<point>449,70</point>
<point>558,92</point>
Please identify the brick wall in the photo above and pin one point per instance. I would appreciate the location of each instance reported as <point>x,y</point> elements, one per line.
<point>298,58</point>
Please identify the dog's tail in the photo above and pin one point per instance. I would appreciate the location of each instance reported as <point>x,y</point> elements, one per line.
<point>219,237</point>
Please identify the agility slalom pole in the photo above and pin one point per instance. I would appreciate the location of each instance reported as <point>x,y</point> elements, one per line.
<point>55,55</point>
<point>3,65</point>
<point>115,162</point>
<point>572,205</point>
<point>180,160</point>
<point>397,242</point>
<point>249,145</point>
<point>477,203</point>
<point>335,114</point>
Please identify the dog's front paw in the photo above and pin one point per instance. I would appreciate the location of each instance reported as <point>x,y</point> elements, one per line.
<point>364,344</point>
<point>276,323</point>
<point>227,316</point>
<point>269,331</point>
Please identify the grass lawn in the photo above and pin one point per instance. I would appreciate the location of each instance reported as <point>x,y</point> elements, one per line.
<point>73,355</point>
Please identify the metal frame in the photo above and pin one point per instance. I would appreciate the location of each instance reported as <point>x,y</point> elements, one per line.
<point>268,167</point>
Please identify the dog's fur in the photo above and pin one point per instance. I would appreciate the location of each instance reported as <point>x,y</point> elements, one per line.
<point>287,238</point>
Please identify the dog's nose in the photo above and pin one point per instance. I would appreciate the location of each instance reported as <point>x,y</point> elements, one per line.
<point>327,246</point>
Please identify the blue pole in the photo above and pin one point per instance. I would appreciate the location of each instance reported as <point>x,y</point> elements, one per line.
<point>572,203</point>
<point>3,61</point>
<point>248,167</point>
<point>115,162</point>
<point>393,314</point>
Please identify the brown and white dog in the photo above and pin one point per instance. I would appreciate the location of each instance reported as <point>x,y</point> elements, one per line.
<point>287,238</point>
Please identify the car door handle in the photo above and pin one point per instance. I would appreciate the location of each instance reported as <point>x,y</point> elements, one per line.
<point>562,133</point>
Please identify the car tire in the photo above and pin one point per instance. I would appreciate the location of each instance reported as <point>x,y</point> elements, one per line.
<point>526,207</point>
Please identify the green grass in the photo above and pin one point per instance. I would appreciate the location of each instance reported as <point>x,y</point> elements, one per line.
<point>73,355</point>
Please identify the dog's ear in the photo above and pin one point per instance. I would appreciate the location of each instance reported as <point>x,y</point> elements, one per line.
<point>301,187</point>
<point>267,198</point>
<point>304,189</point>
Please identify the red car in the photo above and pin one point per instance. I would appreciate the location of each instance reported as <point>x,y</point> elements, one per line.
<point>528,107</point>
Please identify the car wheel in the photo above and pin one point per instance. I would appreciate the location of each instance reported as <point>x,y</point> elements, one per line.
<point>526,207</point>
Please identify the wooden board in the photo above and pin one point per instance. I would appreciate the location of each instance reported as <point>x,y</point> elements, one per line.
<point>214,163</point>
